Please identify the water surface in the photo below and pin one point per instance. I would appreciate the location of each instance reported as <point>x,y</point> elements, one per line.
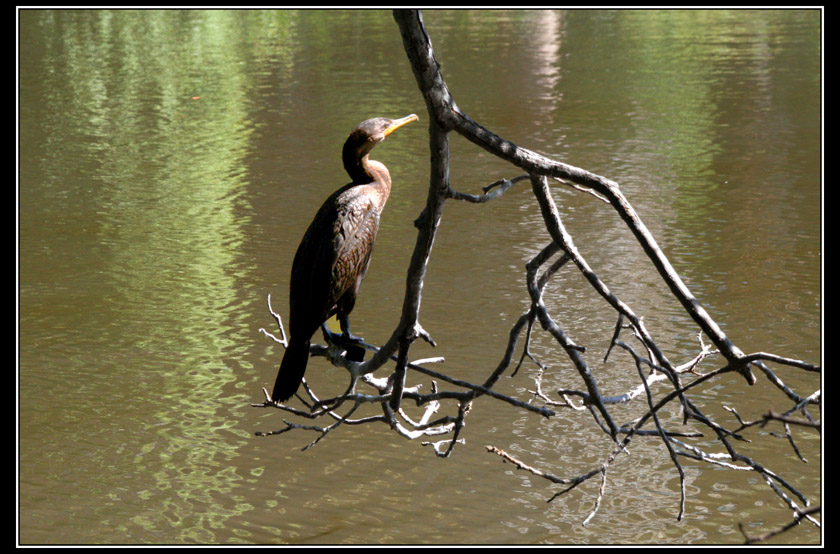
<point>170,161</point>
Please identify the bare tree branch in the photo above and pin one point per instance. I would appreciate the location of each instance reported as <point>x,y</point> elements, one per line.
<point>658,383</point>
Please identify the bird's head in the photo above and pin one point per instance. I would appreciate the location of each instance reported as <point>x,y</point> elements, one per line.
<point>371,132</point>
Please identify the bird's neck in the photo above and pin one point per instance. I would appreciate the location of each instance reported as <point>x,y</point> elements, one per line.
<point>365,171</point>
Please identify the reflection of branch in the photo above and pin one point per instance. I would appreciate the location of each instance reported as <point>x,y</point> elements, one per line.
<point>664,392</point>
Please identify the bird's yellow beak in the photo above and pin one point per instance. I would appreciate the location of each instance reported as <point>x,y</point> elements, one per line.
<point>397,123</point>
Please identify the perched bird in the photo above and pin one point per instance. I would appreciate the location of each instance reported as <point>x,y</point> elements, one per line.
<point>335,251</point>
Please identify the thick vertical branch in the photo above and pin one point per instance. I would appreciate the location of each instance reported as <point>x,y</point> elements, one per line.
<point>418,47</point>
<point>427,224</point>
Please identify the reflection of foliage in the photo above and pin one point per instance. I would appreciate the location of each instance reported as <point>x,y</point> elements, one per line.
<point>153,108</point>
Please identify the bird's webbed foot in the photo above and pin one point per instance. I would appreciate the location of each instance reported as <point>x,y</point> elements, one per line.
<point>346,340</point>
<point>344,322</point>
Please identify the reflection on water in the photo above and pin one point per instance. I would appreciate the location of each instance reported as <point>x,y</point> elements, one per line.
<point>170,161</point>
<point>138,274</point>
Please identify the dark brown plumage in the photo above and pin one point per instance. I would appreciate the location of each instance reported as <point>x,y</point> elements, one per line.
<point>335,251</point>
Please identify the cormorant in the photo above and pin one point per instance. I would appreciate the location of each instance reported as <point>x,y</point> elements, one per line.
<point>335,251</point>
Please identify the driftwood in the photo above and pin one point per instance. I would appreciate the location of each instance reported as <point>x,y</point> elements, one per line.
<point>672,383</point>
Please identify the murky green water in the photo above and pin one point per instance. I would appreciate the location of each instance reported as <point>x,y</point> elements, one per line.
<point>170,161</point>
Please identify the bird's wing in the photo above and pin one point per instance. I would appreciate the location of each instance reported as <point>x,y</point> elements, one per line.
<point>357,222</point>
<point>332,257</point>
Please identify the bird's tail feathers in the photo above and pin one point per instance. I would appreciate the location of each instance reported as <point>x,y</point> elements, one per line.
<point>291,371</point>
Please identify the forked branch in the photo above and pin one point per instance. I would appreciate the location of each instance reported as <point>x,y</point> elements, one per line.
<point>660,382</point>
